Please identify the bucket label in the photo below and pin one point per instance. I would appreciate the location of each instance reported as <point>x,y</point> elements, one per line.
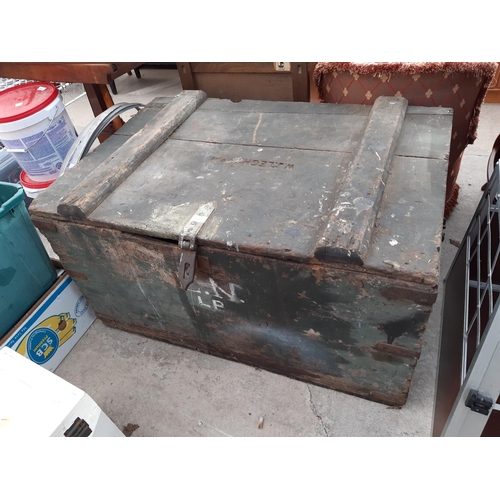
<point>45,150</point>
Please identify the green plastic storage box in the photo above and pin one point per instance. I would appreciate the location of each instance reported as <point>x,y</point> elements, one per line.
<point>26,271</point>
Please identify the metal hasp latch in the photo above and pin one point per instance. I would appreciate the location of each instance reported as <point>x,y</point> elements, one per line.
<point>187,242</point>
<point>478,403</point>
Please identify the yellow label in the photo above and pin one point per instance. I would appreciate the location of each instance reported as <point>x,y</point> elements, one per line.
<point>62,325</point>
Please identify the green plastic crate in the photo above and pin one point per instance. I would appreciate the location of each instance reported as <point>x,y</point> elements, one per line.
<point>26,271</point>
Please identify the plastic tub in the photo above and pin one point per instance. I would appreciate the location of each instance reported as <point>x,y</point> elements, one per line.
<point>35,128</point>
<point>33,188</point>
<point>26,271</point>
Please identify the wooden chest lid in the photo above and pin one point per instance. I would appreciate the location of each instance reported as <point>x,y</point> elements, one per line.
<point>359,185</point>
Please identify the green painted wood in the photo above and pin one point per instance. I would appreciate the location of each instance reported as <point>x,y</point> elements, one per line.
<point>257,106</point>
<point>262,295</point>
<point>52,196</point>
<point>48,203</point>
<point>406,240</point>
<point>348,232</point>
<point>264,202</point>
<point>90,192</point>
<point>318,132</point>
<point>425,135</point>
<point>332,327</point>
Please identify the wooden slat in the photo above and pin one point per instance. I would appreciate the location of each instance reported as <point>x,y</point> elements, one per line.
<point>321,132</point>
<point>232,67</point>
<point>238,86</point>
<point>302,108</point>
<point>313,91</point>
<point>493,94</point>
<point>88,194</point>
<point>93,73</point>
<point>186,76</point>
<point>349,228</point>
<point>258,80</point>
<point>300,82</point>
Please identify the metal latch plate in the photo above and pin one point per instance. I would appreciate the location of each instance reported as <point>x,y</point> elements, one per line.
<point>479,403</point>
<point>187,242</point>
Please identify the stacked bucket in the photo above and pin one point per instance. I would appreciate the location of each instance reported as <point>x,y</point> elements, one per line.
<point>37,132</point>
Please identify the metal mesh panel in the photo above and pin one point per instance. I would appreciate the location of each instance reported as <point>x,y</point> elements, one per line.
<point>482,286</point>
<point>470,308</point>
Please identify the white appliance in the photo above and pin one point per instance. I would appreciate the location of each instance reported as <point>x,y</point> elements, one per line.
<point>36,402</point>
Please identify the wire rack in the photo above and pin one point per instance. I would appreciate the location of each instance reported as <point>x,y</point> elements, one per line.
<point>482,271</point>
<point>70,92</point>
<point>468,359</point>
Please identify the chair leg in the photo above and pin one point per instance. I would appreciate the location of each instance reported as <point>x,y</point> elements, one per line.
<point>113,88</point>
<point>137,73</point>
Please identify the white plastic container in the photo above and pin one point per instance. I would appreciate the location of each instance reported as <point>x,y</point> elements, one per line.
<point>35,128</point>
<point>37,403</point>
<point>33,188</point>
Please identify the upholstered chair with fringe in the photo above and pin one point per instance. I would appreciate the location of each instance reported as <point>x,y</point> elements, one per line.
<point>461,86</point>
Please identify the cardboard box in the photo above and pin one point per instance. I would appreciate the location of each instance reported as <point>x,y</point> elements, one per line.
<point>53,326</point>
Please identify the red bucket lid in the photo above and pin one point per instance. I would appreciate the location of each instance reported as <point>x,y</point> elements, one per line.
<point>25,100</point>
<point>28,182</point>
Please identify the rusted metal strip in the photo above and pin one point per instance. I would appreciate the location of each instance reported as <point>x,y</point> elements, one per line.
<point>88,194</point>
<point>76,274</point>
<point>352,219</point>
<point>46,226</point>
<point>397,351</point>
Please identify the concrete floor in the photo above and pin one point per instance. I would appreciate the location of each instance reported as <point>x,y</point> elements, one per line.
<point>171,391</point>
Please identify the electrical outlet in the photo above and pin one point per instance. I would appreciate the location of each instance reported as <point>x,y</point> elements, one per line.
<point>282,66</point>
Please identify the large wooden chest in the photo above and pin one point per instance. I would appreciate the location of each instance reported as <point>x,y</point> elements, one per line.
<point>301,238</point>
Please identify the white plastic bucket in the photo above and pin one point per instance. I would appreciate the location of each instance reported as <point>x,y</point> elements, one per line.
<point>33,188</point>
<point>35,128</point>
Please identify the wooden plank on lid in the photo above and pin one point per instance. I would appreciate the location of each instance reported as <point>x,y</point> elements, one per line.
<point>348,232</point>
<point>89,193</point>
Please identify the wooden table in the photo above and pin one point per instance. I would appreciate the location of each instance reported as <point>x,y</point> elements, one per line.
<point>256,80</point>
<point>493,94</point>
<point>94,76</point>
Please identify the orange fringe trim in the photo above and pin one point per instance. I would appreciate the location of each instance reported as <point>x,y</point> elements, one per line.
<point>452,201</point>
